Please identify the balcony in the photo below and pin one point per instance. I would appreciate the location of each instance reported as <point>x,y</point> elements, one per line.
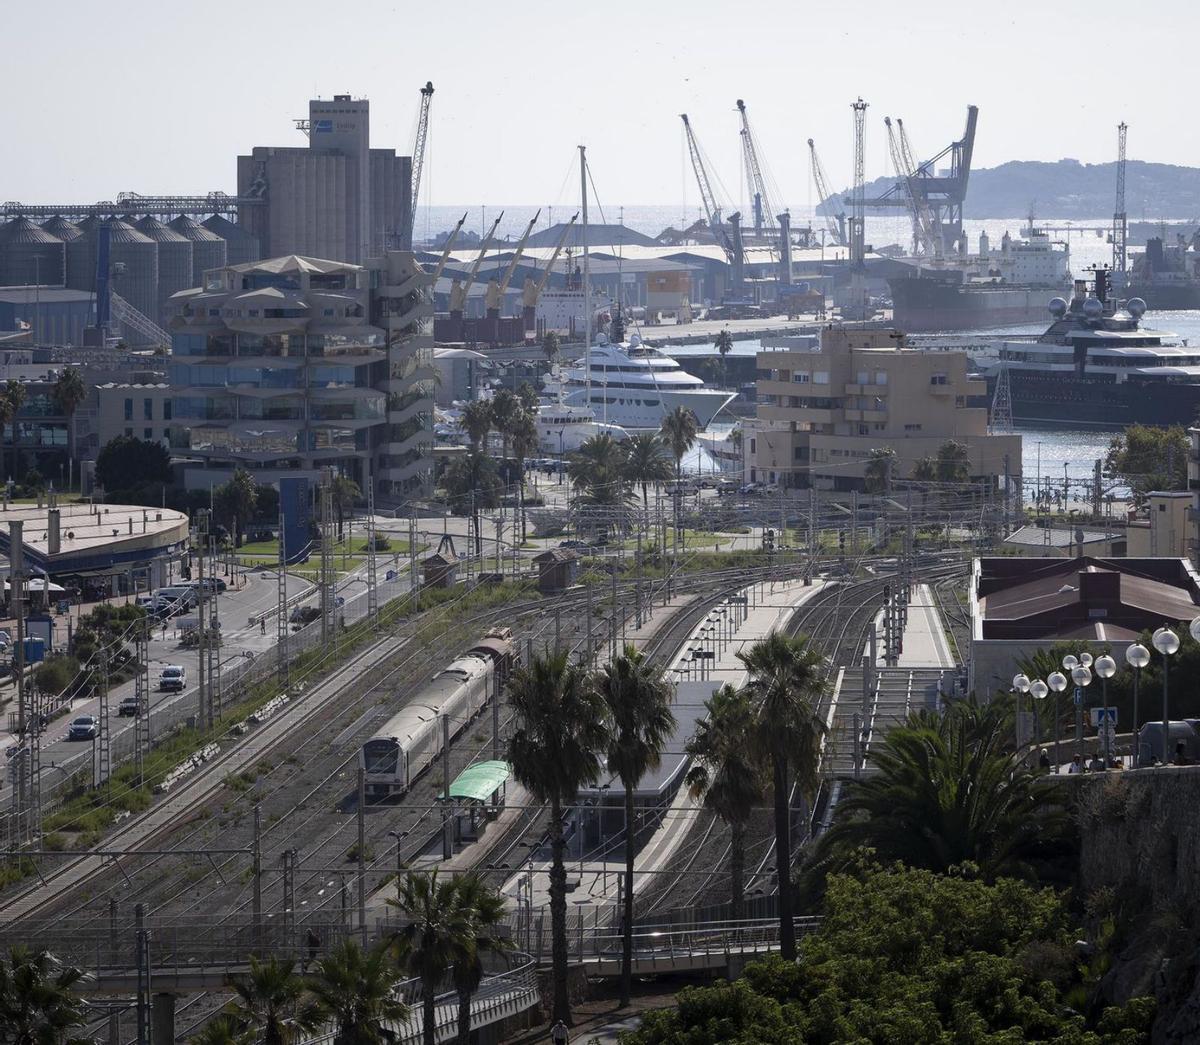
<point>877,416</point>
<point>799,414</point>
<point>866,390</point>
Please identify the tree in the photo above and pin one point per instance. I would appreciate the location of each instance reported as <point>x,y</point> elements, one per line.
<point>728,774</point>
<point>786,685</point>
<point>273,1000</point>
<point>679,430</point>
<point>438,931</point>
<point>638,697</point>
<point>486,911</point>
<point>723,343</point>
<point>14,398</point>
<point>597,470</point>
<point>550,346</point>
<point>953,462</point>
<point>505,409</point>
<point>68,393</point>
<point>471,483</point>
<point>39,1003</point>
<point>528,396</point>
<point>877,472</point>
<point>646,462</point>
<point>236,502</point>
<point>525,443</point>
<point>561,730</point>
<point>223,1030</point>
<point>925,470</point>
<point>476,421</point>
<point>125,462</point>
<point>357,991</point>
<point>1149,458</point>
<point>345,493</point>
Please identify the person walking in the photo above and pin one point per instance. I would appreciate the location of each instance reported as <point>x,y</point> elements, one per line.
<point>559,1034</point>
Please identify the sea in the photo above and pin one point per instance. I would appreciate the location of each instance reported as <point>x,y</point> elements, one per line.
<point>1045,451</point>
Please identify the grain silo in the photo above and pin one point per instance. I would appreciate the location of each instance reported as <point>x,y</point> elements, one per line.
<point>29,255</point>
<point>68,232</point>
<point>134,265</point>
<point>241,246</point>
<point>174,261</point>
<point>81,256</point>
<point>208,249</point>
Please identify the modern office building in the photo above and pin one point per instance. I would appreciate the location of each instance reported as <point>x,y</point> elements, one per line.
<point>825,405</point>
<point>292,364</point>
<point>335,198</point>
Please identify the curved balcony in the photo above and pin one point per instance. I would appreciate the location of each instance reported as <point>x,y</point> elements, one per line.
<point>409,407</point>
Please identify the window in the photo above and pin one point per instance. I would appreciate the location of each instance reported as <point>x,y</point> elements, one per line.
<point>864,430</point>
<point>938,379</point>
<point>148,434</point>
<point>166,409</point>
<point>129,432</point>
<point>821,377</point>
<point>128,411</point>
<point>881,377</point>
<point>147,409</point>
<point>800,378</point>
<point>863,377</point>
<point>912,428</point>
<point>752,446</point>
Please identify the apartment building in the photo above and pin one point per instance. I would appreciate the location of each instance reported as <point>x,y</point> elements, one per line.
<point>293,364</point>
<point>824,406</point>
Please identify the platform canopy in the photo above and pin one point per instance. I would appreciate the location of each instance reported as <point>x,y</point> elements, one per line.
<point>480,781</point>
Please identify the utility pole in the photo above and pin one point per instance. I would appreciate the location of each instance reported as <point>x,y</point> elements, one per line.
<point>281,614</point>
<point>103,765</point>
<point>362,853</point>
<point>327,582</point>
<point>24,785</point>
<point>447,846</point>
<point>204,716</point>
<point>256,908</point>
<point>372,576</point>
<point>141,689</point>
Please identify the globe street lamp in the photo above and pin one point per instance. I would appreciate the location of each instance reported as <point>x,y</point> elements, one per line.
<point>1020,685</point>
<point>1105,667</point>
<point>1137,657</point>
<point>1038,690</point>
<point>1082,677</point>
<point>1057,681</point>
<point>1167,643</point>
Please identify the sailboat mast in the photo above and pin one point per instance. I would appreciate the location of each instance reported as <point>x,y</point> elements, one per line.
<point>587,283</point>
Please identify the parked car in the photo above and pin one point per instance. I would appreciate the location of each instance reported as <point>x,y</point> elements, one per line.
<point>85,727</point>
<point>172,678</point>
<point>209,585</point>
<point>751,489</point>
<point>128,706</point>
<point>573,543</point>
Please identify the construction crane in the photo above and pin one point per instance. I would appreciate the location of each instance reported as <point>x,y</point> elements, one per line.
<point>418,162</point>
<point>1120,223</point>
<point>762,202</point>
<point>532,291</point>
<point>460,289</point>
<point>496,289</point>
<point>931,229</point>
<point>836,223</point>
<point>712,209</point>
<point>438,268</point>
<point>857,307</point>
<point>924,234</point>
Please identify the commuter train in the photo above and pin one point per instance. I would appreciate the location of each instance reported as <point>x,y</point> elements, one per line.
<point>406,745</point>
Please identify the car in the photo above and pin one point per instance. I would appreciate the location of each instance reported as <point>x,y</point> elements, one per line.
<point>209,585</point>
<point>85,727</point>
<point>172,678</point>
<point>573,543</point>
<point>128,706</point>
<point>751,489</point>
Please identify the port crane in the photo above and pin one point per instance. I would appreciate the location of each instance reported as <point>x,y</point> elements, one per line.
<point>1120,227</point>
<point>712,209</point>
<point>924,234</point>
<point>459,289</point>
<point>496,288</point>
<point>836,223</point>
<point>764,212</point>
<point>437,269</point>
<point>532,291</point>
<point>418,162</point>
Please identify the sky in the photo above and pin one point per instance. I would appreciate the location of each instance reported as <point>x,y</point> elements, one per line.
<point>160,97</point>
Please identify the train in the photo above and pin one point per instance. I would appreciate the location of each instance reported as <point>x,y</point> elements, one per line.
<point>412,739</point>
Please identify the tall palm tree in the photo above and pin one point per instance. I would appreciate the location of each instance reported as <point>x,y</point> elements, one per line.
<point>223,1030</point>
<point>723,343</point>
<point>877,472</point>
<point>679,429</point>
<point>646,462</point>
<point>505,409</point>
<point>39,1002</point>
<point>562,730</point>
<point>357,991</point>
<point>597,470</point>
<point>528,396</point>
<point>68,393</point>
<point>525,443</point>
<point>728,774</point>
<point>486,911</point>
<point>472,484</point>
<point>273,1000</point>
<point>638,697</point>
<point>14,397</point>
<point>437,932</point>
<point>925,470</point>
<point>550,345</point>
<point>786,685</point>
<point>345,493</point>
<point>953,462</point>
<point>476,421</point>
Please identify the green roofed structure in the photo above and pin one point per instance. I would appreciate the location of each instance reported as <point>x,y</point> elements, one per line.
<point>480,781</point>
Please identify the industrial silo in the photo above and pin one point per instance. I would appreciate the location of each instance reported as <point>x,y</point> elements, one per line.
<point>81,255</point>
<point>29,255</point>
<point>208,249</point>
<point>133,261</point>
<point>174,261</point>
<point>241,246</point>
<point>68,232</point>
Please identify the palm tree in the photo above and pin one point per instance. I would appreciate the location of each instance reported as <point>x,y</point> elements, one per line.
<point>272,999</point>
<point>877,473</point>
<point>486,911</point>
<point>39,1002</point>
<point>925,470</point>
<point>223,1030</point>
<point>357,991</point>
<point>345,493</point>
<point>646,462</point>
<point>528,396</point>
<point>68,393</point>
<point>562,729</point>
<point>723,343</point>
<point>438,932</point>
<point>953,462</point>
<point>14,397</point>
<point>505,409</point>
<point>236,502</point>
<point>476,421</point>
<point>550,345</point>
<point>679,429</point>
<point>786,685</point>
<point>728,775</point>
<point>524,444</point>
<point>597,469</point>
<point>471,481</point>
<point>638,697</point>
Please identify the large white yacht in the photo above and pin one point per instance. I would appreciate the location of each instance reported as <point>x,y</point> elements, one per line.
<point>635,386</point>
<point>563,429</point>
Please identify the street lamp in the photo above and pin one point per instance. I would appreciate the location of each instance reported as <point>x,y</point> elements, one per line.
<point>1057,681</point>
<point>1081,675</point>
<point>1137,657</point>
<point>1038,690</point>
<point>1105,667</point>
<point>1020,685</point>
<point>1167,643</point>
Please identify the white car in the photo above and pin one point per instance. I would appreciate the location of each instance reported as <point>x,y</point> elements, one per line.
<point>172,678</point>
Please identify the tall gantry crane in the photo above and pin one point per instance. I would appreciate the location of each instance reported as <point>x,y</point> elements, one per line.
<point>418,162</point>
<point>712,209</point>
<point>925,234</point>
<point>1120,221</point>
<point>762,202</point>
<point>835,222</point>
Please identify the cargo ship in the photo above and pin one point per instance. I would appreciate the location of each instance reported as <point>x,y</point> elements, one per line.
<point>1166,277</point>
<point>1097,366</point>
<point>989,289</point>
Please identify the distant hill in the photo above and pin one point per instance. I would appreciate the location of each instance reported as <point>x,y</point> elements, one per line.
<point>1070,189</point>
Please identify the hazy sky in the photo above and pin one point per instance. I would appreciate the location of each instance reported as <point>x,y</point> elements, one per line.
<point>160,97</point>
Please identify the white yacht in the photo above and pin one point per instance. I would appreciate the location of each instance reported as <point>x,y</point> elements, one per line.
<point>635,386</point>
<point>562,429</point>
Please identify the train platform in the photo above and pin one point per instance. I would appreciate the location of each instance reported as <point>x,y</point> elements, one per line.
<point>925,644</point>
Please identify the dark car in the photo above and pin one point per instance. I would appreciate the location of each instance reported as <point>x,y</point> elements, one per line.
<point>85,727</point>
